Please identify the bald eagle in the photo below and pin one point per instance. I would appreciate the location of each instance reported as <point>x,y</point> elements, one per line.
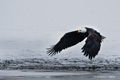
<point>92,43</point>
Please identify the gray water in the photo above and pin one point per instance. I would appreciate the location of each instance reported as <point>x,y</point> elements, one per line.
<point>61,75</point>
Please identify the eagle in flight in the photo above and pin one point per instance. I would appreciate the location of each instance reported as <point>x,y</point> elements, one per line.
<point>91,47</point>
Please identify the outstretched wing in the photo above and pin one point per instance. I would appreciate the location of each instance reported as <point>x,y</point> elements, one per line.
<point>68,40</point>
<point>92,45</point>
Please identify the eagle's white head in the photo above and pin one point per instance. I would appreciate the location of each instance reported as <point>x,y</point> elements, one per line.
<point>82,30</point>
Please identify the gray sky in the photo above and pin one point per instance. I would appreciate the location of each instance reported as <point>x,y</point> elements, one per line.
<point>22,18</point>
<point>37,24</point>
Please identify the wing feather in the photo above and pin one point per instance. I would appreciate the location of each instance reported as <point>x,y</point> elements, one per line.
<point>68,40</point>
<point>92,45</point>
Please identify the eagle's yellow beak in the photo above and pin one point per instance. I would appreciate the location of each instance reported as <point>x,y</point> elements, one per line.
<point>78,31</point>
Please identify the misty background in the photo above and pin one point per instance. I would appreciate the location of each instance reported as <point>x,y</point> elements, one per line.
<point>28,27</point>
